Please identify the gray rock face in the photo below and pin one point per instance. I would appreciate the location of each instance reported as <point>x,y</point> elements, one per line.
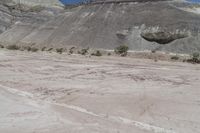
<point>107,26</point>
<point>162,37</point>
<point>5,18</point>
<point>11,15</point>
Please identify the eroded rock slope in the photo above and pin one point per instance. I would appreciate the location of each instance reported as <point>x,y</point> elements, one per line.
<point>145,25</point>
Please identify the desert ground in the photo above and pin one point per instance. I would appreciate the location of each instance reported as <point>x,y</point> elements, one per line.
<point>52,93</point>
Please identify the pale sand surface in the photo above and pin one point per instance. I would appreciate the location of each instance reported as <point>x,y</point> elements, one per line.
<point>52,93</point>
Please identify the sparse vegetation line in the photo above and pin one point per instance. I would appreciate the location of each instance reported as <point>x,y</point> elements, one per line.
<point>121,50</point>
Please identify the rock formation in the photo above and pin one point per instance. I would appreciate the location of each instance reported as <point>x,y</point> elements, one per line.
<point>162,37</point>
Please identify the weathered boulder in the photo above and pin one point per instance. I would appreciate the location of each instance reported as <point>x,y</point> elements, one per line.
<point>162,37</point>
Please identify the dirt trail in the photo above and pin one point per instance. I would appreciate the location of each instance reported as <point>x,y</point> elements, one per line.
<point>48,92</point>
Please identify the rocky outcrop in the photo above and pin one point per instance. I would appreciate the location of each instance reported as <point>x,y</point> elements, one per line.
<point>6,18</point>
<point>162,37</point>
<point>12,14</point>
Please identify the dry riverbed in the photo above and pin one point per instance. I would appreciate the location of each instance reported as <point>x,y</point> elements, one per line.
<point>52,93</point>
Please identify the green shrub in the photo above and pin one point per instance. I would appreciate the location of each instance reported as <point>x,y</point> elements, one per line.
<point>97,53</point>
<point>153,51</point>
<point>59,50</point>
<point>1,46</point>
<point>28,48</point>
<point>83,51</point>
<point>50,49</point>
<point>175,57</point>
<point>71,50</point>
<point>34,49</point>
<point>122,50</point>
<point>195,58</point>
<point>43,49</point>
<point>13,47</point>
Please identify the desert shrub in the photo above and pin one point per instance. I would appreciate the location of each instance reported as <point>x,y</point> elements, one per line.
<point>84,51</point>
<point>59,50</point>
<point>122,50</point>
<point>184,60</point>
<point>13,47</point>
<point>71,50</point>
<point>1,46</point>
<point>97,53</point>
<point>50,49</point>
<point>34,49</point>
<point>153,51</point>
<point>195,58</point>
<point>43,49</point>
<point>175,57</point>
<point>28,48</point>
<point>109,54</point>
